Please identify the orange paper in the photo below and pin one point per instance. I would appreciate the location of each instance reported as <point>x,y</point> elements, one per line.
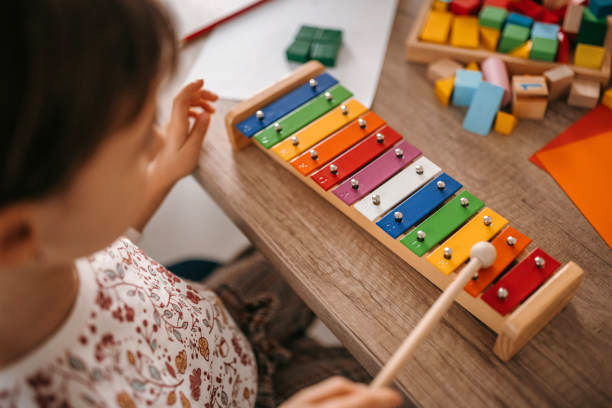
<point>583,171</point>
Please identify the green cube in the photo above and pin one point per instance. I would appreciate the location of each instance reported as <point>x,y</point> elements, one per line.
<point>299,51</point>
<point>325,53</point>
<point>308,33</point>
<point>592,29</point>
<point>543,49</point>
<point>512,37</point>
<point>493,17</point>
<point>330,36</point>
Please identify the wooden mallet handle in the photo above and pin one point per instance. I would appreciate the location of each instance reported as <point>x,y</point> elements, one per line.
<point>482,255</point>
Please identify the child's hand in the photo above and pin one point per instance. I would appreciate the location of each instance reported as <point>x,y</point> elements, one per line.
<point>181,142</point>
<point>338,392</point>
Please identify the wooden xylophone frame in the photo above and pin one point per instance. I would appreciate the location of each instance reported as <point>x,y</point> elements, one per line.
<point>513,330</point>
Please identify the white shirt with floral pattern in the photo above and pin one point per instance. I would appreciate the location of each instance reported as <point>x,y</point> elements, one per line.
<point>137,336</point>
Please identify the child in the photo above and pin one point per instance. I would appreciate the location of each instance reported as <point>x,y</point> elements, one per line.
<point>81,161</point>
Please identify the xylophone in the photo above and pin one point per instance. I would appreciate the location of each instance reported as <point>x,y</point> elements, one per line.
<point>311,125</point>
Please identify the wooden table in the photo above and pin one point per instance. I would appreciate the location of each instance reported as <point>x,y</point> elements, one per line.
<point>371,299</point>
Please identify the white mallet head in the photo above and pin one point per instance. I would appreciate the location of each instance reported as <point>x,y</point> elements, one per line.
<point>485,252</point>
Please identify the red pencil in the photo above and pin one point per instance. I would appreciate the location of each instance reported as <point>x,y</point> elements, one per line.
<point>209,27</point>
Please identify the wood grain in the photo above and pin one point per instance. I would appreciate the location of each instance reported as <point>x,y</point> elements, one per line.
<point>371,299</point>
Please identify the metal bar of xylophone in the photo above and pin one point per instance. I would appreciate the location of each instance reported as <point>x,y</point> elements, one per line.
<point>313,127</point>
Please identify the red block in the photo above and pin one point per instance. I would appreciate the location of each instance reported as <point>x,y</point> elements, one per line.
<point>528,8</point>
<point>549,17</point>
<point>465,7</point>
<point>498,3</point>
<point>560,12</point>
<point>563,52</point>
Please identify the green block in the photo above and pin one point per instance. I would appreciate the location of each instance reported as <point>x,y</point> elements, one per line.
<point>325,53</point>
<point>302,116</point>
<point>308,33</point>
<point>442,223</point>
<point>330,36</point>
<point>592,29</point>
<point>543,49</point>
<point>298,51</point>
<point>493,17</point>
<point>512,37</point>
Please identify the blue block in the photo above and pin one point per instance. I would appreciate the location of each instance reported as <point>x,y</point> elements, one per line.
<point>418,205</point>
<point>519,19</point>
<point>286,104</point>
<point>484,107</point>
<point>466,83</point>
<point>545,30</point>
<point>600,8</point>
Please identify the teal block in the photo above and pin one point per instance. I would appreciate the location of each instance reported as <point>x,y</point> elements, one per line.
<point>483,109</point>
<point>600,8</point>
<point>543,49</point>
<point>512,37</point>
<point>298,51</point>
<point>592,29</point>
<point>466,83</point>
<point>325,53</point>
<point>493,17</point>
<point>519,19</point>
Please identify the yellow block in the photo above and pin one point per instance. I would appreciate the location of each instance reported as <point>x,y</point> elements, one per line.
<point>607,98</point>
<point>505,123</point>
<point>318,130</point>
<point>589,56</point>
<point>440,5</point>
<point>444,89</point>
<point>522,51</point>
<point>472,66</point>
<point>489,37</point>
<point>437,27</point>
<point>461,242</point>
<point>465,32</point>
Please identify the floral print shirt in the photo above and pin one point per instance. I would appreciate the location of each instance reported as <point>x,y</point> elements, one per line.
<point>137,336</point>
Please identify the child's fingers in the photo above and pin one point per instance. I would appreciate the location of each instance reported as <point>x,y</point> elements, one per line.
<point>208,95</point>
<point>367,398</point>
<point>206,106</point>
<point>193,113</point>
<point>198,131</point>
<point>185,95</point>
<point>329,388</point>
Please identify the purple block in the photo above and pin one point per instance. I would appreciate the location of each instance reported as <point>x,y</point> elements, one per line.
<point>376,173</point>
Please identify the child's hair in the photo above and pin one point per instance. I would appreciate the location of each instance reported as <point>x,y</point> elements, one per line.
<point>75,71</point>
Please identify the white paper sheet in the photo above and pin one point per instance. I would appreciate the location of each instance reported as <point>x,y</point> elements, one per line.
<point>247,53</point>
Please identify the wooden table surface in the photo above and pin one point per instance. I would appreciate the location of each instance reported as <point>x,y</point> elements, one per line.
<point>371,299</point>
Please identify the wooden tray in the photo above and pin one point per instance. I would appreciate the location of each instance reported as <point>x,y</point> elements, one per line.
<point>425,52</point>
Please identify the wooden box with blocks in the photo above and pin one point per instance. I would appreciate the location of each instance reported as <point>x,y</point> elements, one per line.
<point>312,127</point>
<point>438,34</point>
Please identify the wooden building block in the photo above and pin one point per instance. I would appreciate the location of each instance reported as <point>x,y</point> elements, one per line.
<point>584,93</point>
<point>559,80</point>
<point>505,123</point>
<point>563,51</point>
<point>543,49</point>
<point>325,53</point>
<point>592,29</point>
<point>444,89</point>
<point>489,37</point>
<point>436,27</point>
<point>464,7</point>
<point>513,36</point>
<point>590,56</point>
<point>601,8</point>
<point>522,51</point>
<point>497,3</point>
<point>544,30</point>
<point>529,96</point>
<point>573,18</point>
<point>440,5</point>
<point>466,83</point>
<point>492,17</point>
<point>472,66</point>
<point>607,98</point>
<point>464,33</point>
<point>519,19</point>
<point>298,51</point>
<point>483,109</point>
<point>441,69</point>
<point>494,71</point>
